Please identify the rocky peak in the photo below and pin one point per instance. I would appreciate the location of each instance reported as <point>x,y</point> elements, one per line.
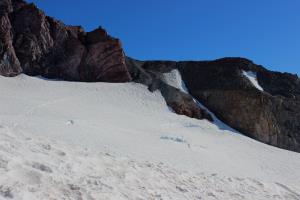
<point>36,44</point>
<point>97,35</point>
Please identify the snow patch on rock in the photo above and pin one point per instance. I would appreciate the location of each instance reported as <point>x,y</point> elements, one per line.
<point>174,79</point>
<point>252,77</point>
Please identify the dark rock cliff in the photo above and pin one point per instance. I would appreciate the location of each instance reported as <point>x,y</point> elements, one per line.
<point>35,44</point>
<point>271,116</point>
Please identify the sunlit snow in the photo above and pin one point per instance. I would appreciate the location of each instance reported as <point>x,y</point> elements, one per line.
<point>252,77</point>
<point>67,140</point>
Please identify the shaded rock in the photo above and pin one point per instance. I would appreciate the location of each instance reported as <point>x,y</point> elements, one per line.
<point>271,117</point>
<point>32,39</point>
<point>280,84</point>
<point>9,63</point>
<point>64,60</point>
<point>5,6</point>
<point>150,73</point>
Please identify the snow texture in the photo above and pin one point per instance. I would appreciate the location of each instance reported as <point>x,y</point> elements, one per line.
<point>174,79</point>
<point>252,77</point>
<point>67,140</point>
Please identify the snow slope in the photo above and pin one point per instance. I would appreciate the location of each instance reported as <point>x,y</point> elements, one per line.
<point>66,140</point>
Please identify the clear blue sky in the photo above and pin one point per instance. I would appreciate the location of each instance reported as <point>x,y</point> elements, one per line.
<point>265,31</point>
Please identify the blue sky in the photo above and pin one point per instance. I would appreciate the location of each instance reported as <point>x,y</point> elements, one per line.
<point>265,31</point>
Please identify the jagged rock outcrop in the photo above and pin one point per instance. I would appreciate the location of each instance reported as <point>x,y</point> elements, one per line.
<point>35,44</point>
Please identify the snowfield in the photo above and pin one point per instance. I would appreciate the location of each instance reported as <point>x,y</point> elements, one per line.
<point>66,140</point>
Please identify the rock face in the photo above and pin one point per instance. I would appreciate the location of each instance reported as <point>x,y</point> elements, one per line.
<point>35,44</point>
<point>271,116</point>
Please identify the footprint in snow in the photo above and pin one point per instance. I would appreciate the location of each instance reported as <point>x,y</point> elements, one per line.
<point>237,196</point>
<point>41,167</point>
<point>6,192</point>
<point>46,146</point>
<point>181,189</point>
<point>174,139</point>
<point>70,122</point>
<point>60,153</point>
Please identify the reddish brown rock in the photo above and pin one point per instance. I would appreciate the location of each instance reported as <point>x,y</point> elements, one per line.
<point>36,44</point>
<point>104,59</point>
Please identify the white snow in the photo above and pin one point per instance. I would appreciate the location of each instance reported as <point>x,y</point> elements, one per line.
<point>252,77</point>
<point>66,140</point>
<point>174,79</point>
